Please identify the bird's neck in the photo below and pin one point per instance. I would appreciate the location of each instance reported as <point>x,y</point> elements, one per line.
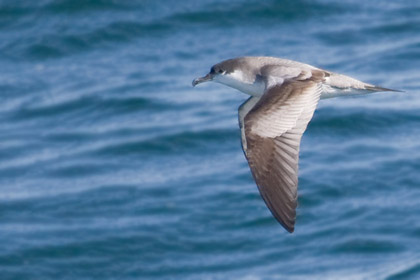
<point>237,80</point>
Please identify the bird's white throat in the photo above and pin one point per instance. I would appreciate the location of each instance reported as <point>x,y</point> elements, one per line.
<point>238,81</point>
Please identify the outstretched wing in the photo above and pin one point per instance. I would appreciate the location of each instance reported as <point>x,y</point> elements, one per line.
<point>271,134</point>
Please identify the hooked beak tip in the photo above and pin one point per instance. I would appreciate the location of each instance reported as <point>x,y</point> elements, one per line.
<point>200,80</point>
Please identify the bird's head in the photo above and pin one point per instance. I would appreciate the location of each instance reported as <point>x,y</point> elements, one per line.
<point>227,72</point>
<point>215,74</point>
<point>239,73</point>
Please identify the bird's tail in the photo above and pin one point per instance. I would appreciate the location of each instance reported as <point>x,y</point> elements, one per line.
<point>377,88</point>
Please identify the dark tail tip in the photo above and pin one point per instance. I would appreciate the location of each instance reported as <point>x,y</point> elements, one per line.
<point>376,88</point>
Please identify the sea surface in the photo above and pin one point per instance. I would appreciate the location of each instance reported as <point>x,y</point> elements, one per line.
<point>112,166</point>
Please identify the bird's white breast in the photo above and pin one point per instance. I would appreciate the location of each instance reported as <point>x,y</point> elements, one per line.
<point>238,81</point>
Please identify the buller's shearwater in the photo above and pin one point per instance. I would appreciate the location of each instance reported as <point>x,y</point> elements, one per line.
<point>284,95</point>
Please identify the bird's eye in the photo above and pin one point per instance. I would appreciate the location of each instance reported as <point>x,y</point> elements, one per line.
<point>216,71</point>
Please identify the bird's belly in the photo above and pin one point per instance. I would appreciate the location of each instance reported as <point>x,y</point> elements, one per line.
<point>255,89</point>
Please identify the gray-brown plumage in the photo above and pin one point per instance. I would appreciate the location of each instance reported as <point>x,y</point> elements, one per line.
<point>285,94</point>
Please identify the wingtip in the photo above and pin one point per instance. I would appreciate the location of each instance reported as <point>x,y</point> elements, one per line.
<point>290,230</point>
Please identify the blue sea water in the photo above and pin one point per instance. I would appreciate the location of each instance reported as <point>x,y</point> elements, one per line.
<point>113,167</point>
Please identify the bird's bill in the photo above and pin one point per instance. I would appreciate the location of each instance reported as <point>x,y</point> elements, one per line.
<point>200,80</point>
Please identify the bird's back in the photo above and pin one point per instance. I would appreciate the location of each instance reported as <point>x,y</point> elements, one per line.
<point>334,84</point>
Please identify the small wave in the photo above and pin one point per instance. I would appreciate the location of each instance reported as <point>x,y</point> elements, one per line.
<point>86,103</point>
<point>366,122</point>
<point>409,272</point>
<point>367,246</point>
<point>165,145</point>
<point>394,28</point>
<point>247,13</point>
<point>69,6</point>
<point>80,169</point>
<point>55,45</point>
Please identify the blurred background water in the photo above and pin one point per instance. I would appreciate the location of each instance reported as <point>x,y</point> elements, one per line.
<point>113,167</point>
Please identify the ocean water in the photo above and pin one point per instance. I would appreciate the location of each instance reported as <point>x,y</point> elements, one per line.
<point>113,167</point>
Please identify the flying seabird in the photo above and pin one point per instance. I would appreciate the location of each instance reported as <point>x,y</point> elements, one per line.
<point>284,96</point>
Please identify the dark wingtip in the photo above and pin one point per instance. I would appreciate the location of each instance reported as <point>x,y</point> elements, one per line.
<point>289,227</point>
<point>376,88</point>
